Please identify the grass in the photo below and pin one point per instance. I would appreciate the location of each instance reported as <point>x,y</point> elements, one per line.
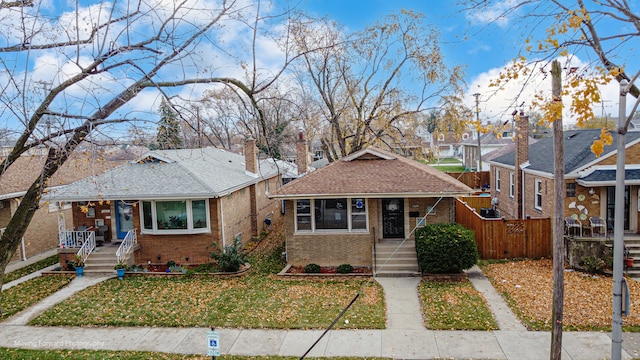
<point>16,274</point>
<point>258,300</point>
<point>21,296</point>
<point>454,306</point>
<point>19,354</point>
<point>450,168</point>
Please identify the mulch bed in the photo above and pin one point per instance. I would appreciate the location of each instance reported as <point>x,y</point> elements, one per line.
<point>329,270</point>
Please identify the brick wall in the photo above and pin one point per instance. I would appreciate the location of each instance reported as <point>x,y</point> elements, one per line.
<point>507,205</point>
<point>332,249</point>
<point>631,156</point>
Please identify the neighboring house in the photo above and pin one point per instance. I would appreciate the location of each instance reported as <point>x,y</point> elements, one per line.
<point>42,233</point>
<point>180,202</point>
<point>489,142</point>
<point>336,214</point>
<point>523,182</point>
<point>447,144</point>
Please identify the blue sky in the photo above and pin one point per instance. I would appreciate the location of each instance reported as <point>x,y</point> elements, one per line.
<point>483,46</point>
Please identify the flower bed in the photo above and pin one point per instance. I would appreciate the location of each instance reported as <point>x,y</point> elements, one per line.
<point>291,270</point>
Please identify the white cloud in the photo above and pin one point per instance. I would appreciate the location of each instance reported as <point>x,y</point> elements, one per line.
<point>497,105</point>
<point>492,13</point>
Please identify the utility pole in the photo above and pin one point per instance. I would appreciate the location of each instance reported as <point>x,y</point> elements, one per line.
<point>558,218</point>
<point>477,96</point>
<point>618,227</point>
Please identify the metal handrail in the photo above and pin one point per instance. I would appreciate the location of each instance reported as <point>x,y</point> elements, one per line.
<point>73,239</point>
<point>127,244</point>
<point>88,246</point>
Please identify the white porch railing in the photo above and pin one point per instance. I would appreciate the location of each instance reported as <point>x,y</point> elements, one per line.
<point>74,239</point>
<point>89,245</point>
<point>127,244</point>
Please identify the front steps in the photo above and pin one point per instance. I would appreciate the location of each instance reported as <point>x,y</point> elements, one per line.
<point>633,245</point>
<point>102,259</point>
<point>395,258</point>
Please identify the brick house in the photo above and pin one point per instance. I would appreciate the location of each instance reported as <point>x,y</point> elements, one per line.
<point>42,233</point>
<point>179,202</point>
<point>336,214</point>
<point>523,181</point>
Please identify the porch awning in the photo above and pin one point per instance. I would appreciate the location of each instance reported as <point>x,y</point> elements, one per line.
<point>607,177</point>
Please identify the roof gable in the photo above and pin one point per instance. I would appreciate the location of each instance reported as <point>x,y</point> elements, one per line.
<point>374,172</point>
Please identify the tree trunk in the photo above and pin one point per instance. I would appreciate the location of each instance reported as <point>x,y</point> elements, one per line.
<point>558,223</point>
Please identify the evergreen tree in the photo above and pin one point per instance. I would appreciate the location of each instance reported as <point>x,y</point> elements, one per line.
<point>168,136</point>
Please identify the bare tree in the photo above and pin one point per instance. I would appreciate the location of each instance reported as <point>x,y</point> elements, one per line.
<point>360,80</point>
<point>94,63</point>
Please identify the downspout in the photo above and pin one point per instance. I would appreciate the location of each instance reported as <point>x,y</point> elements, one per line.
<point>522,191</point>
<point>224,242</point>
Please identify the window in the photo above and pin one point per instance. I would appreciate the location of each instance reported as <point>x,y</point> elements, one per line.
<point>538,204</point>
<point>343,214</point>
<point>303,215</point>
<point>465,136</point>
<point>571,190</point>
<point>175,216</point>
<point>358,214</point>
<point>441,137</point>
<point>512,184</point>
<point>498,180</point>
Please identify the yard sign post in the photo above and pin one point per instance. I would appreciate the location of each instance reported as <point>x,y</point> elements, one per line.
<point>213,343</point>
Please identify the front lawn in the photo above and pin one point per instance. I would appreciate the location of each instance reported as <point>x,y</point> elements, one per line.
<point>454,306</point>
<point>254,301</point>
<point>528,288</point>
<point>21,296</point>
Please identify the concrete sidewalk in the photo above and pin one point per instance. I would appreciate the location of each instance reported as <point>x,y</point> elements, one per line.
<point>404,337</point>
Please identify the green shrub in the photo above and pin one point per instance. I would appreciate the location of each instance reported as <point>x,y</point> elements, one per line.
<point>231,258</point>
<point>312,269</point>
<point>345,269</point>
<point>445,248</point>
<point>171,263</point>
<point>593,264</point>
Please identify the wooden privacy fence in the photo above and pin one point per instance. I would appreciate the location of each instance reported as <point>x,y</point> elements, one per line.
<point>474,180</point>
<point>506,239</point>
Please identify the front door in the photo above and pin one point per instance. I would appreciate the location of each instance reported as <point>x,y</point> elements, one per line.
<point>393,218</point>
<point>124,218</point>
<point>611,207</point>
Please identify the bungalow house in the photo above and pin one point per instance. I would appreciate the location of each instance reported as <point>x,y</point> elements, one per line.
<point>523,181</point>
<point>42,233</point>
<point>345,211</point>
<point>174,204</point>
<point>489,142</point>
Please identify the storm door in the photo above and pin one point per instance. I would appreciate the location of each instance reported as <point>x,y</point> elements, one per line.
<point>393,218</point>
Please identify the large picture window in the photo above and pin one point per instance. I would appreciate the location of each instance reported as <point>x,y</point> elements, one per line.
<point>342,214</point>
<point>175,216</point>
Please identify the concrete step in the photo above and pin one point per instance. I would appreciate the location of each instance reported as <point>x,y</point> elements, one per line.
<point>395,273</point>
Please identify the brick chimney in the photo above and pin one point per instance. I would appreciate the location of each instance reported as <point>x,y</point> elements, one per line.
<point>250,156</point>
<point>522,157</point>
<point>302,155</point>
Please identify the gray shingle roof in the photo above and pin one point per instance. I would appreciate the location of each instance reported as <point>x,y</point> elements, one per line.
<point>577,151</point>
<point>185,173</point>
<point>608,176</point>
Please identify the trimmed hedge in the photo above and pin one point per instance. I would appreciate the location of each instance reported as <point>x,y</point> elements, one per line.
<point>312,269</point>
<point>345,269</point>
<point>445,248</point>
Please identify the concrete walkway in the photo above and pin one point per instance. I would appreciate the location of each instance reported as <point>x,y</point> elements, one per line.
<point>405,336</point>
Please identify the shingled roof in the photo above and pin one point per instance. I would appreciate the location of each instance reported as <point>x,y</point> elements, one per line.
<point>373,172</point>
<point>577,151</point>
<point>170,174</point>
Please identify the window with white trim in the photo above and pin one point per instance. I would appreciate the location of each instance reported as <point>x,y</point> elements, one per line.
<point>538,195</point>
<point>512,184</point>
<point>175,216</point>
<point>498,180</point>
<point>340,214</point>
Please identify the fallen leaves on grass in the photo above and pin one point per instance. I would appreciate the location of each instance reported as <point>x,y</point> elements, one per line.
<point>248,302</point>
<point>528,285</point>
<point>454,305</point>
<point>21,296</point>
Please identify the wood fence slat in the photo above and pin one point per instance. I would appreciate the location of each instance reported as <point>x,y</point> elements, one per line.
<point>504,239</point>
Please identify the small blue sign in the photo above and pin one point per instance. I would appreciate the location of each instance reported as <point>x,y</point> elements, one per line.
<point>213,343</point>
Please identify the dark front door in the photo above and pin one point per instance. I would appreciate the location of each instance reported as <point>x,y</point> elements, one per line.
<point>393,218</point>
<point>611,207</point>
